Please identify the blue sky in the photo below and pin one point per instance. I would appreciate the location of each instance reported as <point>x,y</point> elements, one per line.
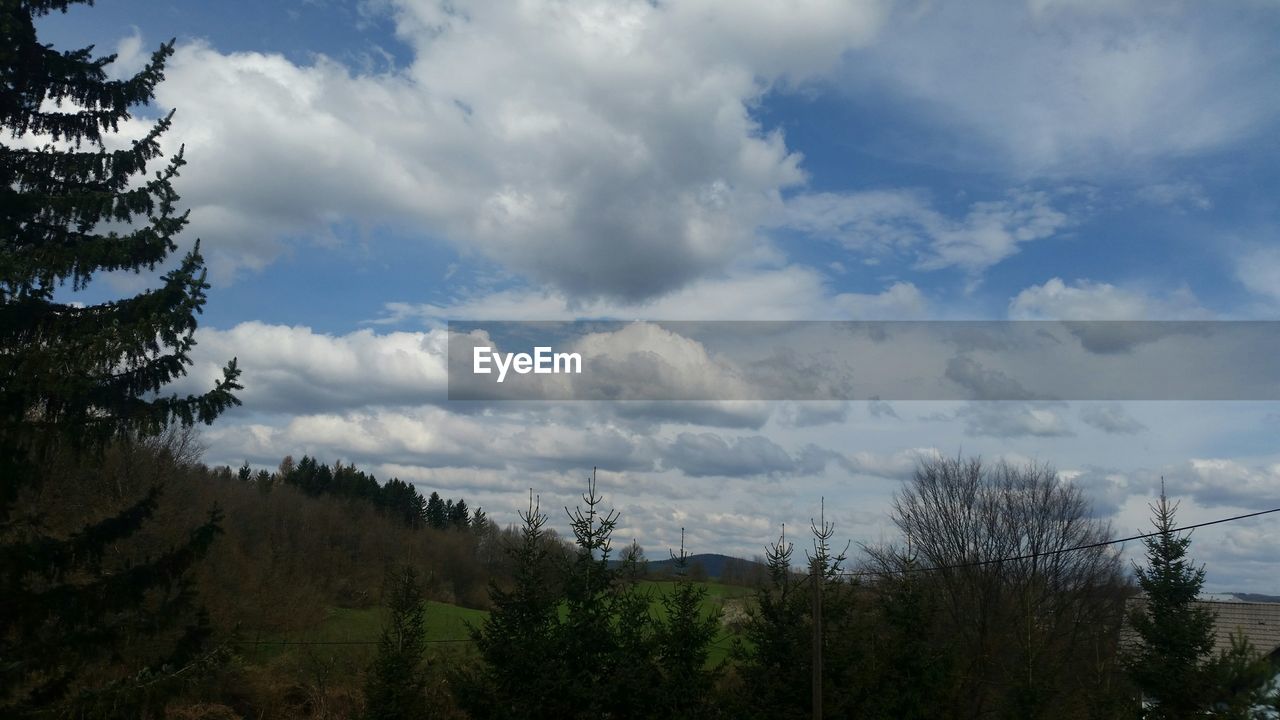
<point>362,171</point>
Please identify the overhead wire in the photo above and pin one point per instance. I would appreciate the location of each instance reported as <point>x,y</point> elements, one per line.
<point>1049,553</point>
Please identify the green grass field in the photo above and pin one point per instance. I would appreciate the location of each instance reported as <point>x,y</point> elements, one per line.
<point>357,630</point>
<point>718,597</point>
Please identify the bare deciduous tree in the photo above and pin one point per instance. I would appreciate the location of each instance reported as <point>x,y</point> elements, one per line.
<point>1028,594</point>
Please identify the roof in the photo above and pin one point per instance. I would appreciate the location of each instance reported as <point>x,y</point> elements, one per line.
<point>1260,623</point>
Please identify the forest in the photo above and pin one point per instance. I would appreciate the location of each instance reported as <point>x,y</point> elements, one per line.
<point>324,593</point>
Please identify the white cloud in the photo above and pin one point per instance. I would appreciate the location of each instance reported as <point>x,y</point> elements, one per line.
<point>901,301</point>
<point>295,369</point>
<point>605,148</point>
<point>904,223</point>
<point>1078,87</point>
<point>789,293</point>
<point>130,56</point>
<point>433,437</point>
<point>893,466</point>
<point>1087,300</point>
<point>1259,271</point>
<point>706,454</point>
<point>1013,419</point>
<point>1225,481</point>
<point>643,360</point>
<point>1106,490</point>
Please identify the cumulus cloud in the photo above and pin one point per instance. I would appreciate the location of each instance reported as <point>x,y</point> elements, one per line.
<point>900,301</point>
<point>607,149</point>
<point>893,466</point>
<point>1087,300</point>
<point>1225,481</point>
<point>295,369</point>
<point>1107,490</point>
<point>1207,482</point>
<point>130,56</point>
<point>432,437</point>
<point>631,363</point>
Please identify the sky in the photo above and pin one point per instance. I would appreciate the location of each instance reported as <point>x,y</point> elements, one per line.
<point>359,173</point>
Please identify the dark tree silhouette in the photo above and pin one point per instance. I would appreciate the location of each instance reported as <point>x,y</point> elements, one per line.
<point>684,644</point>
<point>396,687</point>
<point>1176,634</point>
<point>520,671</point>
<point>1023,628</point>
<point>75,378</point>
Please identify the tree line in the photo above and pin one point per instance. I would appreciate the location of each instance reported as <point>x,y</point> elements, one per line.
<point>395,498</point>
<point>1003,601</point>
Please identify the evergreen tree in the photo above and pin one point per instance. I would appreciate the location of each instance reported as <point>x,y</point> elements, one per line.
<point>1175,634</point>
<point>521,672</point>
<point>396,686</point>
<point>684,644</point>
<point>777,675</point>
<point>772,667</point>
<point>322,482</point>
<point>591,599</point>
<point>459,517</point>
<point>479,522</point>
<point>582,642</point>
<point>264,480</point>
<point>436,517</point>
<point>402,500</point>
<point>75,378</point>
<point>1243,682</point>
<point>913,667</point>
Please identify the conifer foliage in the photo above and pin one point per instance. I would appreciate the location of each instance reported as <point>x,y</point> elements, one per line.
<point>684,643</point>
<point>1176,634</point>
<point>1172,662</point>
<point>575,637</point>
<point>519,675</point>
<point>75,201</point>
<point>396,688</point>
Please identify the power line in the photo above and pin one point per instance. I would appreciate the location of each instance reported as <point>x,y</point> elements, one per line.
<point>1049,553</point>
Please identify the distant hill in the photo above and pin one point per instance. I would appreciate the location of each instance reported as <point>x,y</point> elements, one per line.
<point>1256,597</point>
<point>713,563</point>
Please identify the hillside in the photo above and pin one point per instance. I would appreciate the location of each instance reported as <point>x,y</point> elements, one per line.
<point>714,564</point>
